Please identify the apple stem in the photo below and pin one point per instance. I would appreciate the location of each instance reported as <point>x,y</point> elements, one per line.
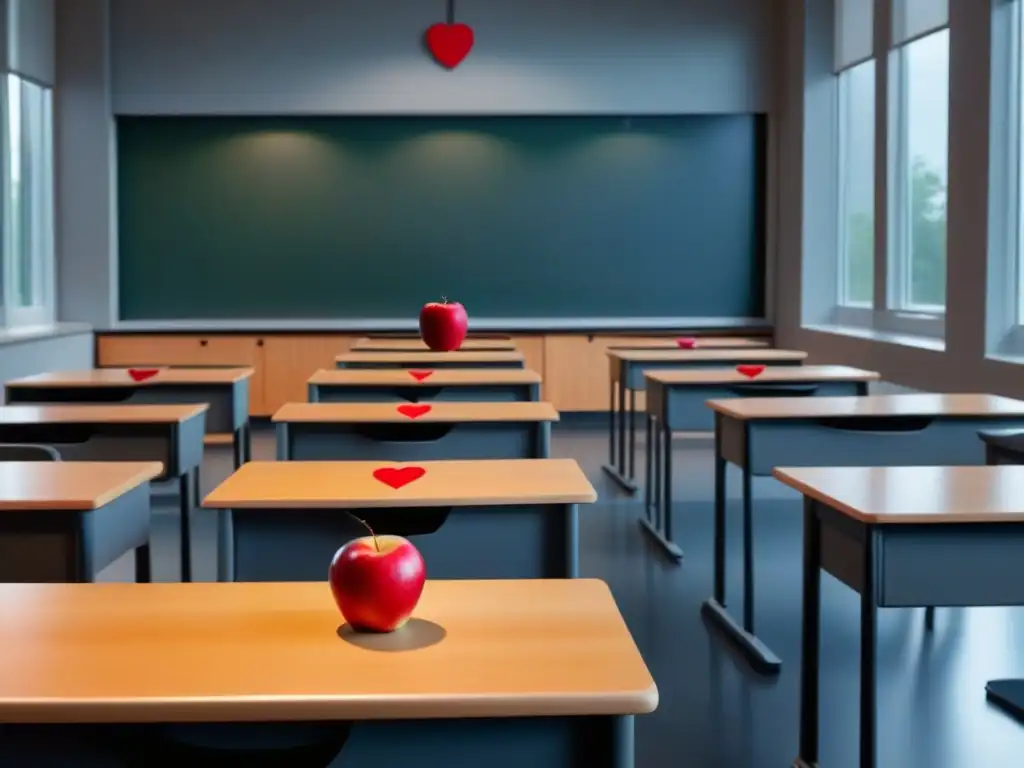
<point>360,520</point>
<point>444,299</point>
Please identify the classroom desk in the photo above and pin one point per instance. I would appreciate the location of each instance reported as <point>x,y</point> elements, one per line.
<point>67,521</point>
<point>677,402</point>
<point>1005,447</point>
<point>169,434</point>
<point>902,537</point>
<point>759,434</point>
<point>417,345</point>
<point>394,385</point>
<point>700,342</point>
<point>626,370</point>
<point>381,431</point>
<point>501,674</point>
<point>431,360</point>
<point>225,390</point>
<point>494,519</point>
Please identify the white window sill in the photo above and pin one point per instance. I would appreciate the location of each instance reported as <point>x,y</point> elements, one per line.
<point>24,334</point>
<point>885,337</point>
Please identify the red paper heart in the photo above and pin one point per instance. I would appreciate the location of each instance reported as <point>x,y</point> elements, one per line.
<point>414,411</point>
<point>750,371</point>
<point>449,44</point>
<point>141,374</point>
<point>686,342</point>
<point>396,477</point>
<point>420,375</point>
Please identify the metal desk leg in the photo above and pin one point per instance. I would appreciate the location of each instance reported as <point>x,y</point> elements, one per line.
<point>248,440</point>
<point>143,564</point>
<point>617,434</point>
<point>648,464</point>
<point>748,553</point>
<point>225,546</point>
<point>660,528</point>
<point>757,654</point>
<point>810,629</point>
<point>868,649</point>
<point>186,493</point>
<point>631,439</point>
<point>720,530</point>
<point>239,445</point>
<point>611,424</point>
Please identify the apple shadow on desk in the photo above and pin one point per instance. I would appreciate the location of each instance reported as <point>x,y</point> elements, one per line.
<point>415,635</point>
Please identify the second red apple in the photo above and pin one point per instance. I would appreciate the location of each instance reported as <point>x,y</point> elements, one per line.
<point>377,582</point>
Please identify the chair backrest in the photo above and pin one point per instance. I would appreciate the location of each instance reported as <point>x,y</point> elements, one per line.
<point>1003,446</point>
<point>28,452</point>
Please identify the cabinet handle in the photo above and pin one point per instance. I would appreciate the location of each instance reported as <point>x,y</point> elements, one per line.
<point>259,342</point>
<point>203,342</point>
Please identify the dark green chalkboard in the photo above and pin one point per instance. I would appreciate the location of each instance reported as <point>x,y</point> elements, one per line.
<point>370,217</point>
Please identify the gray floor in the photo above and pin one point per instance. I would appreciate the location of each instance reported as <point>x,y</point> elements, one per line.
<point>714,713</point>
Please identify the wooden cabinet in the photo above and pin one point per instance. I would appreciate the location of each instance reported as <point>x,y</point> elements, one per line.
<point>576,372</point>
<point>574,366</point>
<point>532,348</point>
<point>289,361</point>
<point>119,351</point>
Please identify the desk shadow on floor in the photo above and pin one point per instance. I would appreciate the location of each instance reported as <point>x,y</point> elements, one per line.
<point>415,635</point>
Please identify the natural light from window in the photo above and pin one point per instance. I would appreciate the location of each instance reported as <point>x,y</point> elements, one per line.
<point>856,174</point>
<point>919,151</point>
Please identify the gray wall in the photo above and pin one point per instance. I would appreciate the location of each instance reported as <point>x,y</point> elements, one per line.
<point>332,56</point>
<point>70,352</point>
<point>962,365</point>
<point>546,56</point>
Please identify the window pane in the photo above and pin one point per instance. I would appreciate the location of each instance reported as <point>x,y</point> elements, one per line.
<point>922,161</point>
<point>857,184</point>
<point>30,237</point>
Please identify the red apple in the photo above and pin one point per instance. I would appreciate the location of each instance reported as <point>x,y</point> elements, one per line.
<point>443,326</point>
<point>377,582</point>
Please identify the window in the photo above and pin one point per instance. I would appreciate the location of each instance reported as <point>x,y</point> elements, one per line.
<point>856,175</point>
<point>918,144</point>
<point>28,275</point>
<point>1005,304</point>
<point>855,154</point>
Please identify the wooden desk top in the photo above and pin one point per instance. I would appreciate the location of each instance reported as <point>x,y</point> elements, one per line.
<point>119,377</point>
<point>427,358</point>
<point>778,374</point>
<point>417,345</point>
<point>702,342</point>
<point>332,484</point>
<point>911,495</point>
<point>439,412</point>
<point>237,652</point>
<point>99,414</point>
<point>871,405</point>
<point>71,485</point>
<point>441,377</point>
<point>702,355</point>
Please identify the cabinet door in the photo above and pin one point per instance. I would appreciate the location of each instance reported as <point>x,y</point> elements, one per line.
<point>173,349</point>
<point>289,361</point>
<point>120,351</point>
<point>532,348</point>
<point>576,373</point>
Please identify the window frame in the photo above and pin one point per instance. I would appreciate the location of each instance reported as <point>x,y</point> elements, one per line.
<point>1004,321</point>
<point>43,261</point>
<point>898,314</point>
<point>891,278</point>
<point>853,311</point>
